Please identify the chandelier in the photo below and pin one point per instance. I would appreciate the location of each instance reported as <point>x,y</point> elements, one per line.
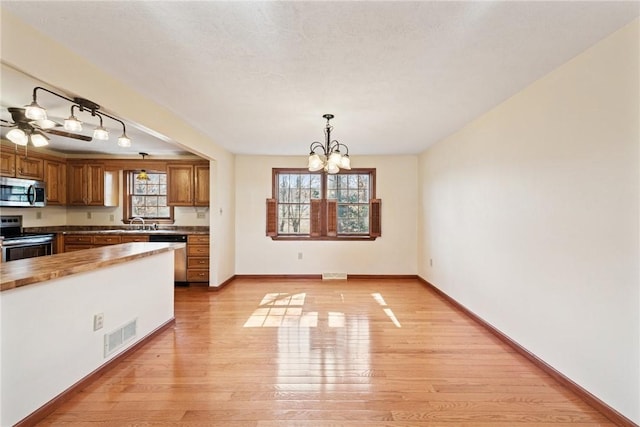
<point>327,156</point>
<point>38,114</point>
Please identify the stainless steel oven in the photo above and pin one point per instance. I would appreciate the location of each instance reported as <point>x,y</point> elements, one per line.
<point>18,245</point>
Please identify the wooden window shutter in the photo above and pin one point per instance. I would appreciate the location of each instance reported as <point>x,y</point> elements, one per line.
<point>316,218</point>
<point>272,217</point>
<point>375,222</point>
<point>332,217</point>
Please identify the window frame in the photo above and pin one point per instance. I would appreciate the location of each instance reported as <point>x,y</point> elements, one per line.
<point>128,193</point>
<point>324,234</point>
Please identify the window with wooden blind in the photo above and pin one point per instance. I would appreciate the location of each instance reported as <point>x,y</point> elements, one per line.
<point>314,205</point>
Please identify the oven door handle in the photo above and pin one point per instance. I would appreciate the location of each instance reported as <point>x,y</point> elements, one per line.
<point>31,194</point>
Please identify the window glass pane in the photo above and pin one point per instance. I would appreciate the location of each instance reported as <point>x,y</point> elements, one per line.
<point>294,193</point>
<point>139,188</point>
<point>296,190</point>
<point>305,227</point>
<point>363,181</point>
<point>149,199</point>
<point>331,182</point>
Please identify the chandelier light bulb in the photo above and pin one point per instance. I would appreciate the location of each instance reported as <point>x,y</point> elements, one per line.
<point>345,162</point>
<point>316,163</point>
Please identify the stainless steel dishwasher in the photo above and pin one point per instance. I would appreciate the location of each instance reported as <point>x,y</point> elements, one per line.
<point>180,263</point>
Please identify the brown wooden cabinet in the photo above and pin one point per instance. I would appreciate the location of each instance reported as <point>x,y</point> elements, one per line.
<point>7,164</point>
<point>18,166</point>
<point>76,242</point>
<point>188,185</point>
<point>180,185</point>
<point>55,175</point>
<point>30,168</point>
<point>89,184</point>
<point>198,258</point>
<point>201,185</point>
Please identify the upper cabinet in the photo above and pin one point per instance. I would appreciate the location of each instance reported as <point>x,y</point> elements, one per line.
<point>188,184</point>
<point>55,175</point>
<point>18,166</point>
<point>89,184</point>
<point>201,185</point>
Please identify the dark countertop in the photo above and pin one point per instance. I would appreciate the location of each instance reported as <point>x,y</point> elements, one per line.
<point>22,272</point>
<point>99,229</point>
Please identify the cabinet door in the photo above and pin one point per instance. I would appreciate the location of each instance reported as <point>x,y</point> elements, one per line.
<point>95,185</point>
<point>7,164</point>
<point>55,175</point>
<point>180,185</point>
<point>201,185</point>
<point>30,168</point>
<point>76,184</point>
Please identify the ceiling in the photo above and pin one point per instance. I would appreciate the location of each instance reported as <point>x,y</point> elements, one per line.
<point>256,77</point>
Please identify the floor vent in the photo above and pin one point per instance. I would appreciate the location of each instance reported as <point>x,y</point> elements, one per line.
<point>334,276</point>
<point>116,339</point>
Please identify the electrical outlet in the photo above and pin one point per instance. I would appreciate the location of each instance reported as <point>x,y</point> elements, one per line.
<point>200,215</point>
<point>98,321</point>
<point>111,218</point>
<point>88,215</point>
<point>299,255</point>
<point>38,215</point>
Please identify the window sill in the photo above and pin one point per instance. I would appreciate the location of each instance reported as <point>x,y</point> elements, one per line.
<point>323,238</point>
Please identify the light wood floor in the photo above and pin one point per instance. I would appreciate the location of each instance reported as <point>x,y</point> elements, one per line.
<point>311,353</point>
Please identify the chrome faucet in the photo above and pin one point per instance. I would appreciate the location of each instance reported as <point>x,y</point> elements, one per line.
<point>137,218</point>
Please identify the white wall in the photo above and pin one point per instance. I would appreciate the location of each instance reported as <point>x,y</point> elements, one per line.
<point>393,253</point>
<point>531,217</point>
<point>29,51</point>
<point>48,339</point>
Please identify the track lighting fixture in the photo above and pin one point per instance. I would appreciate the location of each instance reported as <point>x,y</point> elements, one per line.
<point>38,114</point>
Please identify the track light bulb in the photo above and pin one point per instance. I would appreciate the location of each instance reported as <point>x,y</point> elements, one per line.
<point>35,112</point>
<point>101,133</point>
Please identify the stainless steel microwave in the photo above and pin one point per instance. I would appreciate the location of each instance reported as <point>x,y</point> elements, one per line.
<point>19,192</point>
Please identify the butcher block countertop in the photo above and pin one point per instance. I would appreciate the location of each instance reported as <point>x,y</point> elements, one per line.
<point>22,272</point>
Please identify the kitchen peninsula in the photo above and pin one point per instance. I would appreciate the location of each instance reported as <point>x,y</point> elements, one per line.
<point>66,316</point>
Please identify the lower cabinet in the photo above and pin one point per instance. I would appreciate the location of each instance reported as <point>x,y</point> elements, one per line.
<point>77,242</point>
<point>198,258</point>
